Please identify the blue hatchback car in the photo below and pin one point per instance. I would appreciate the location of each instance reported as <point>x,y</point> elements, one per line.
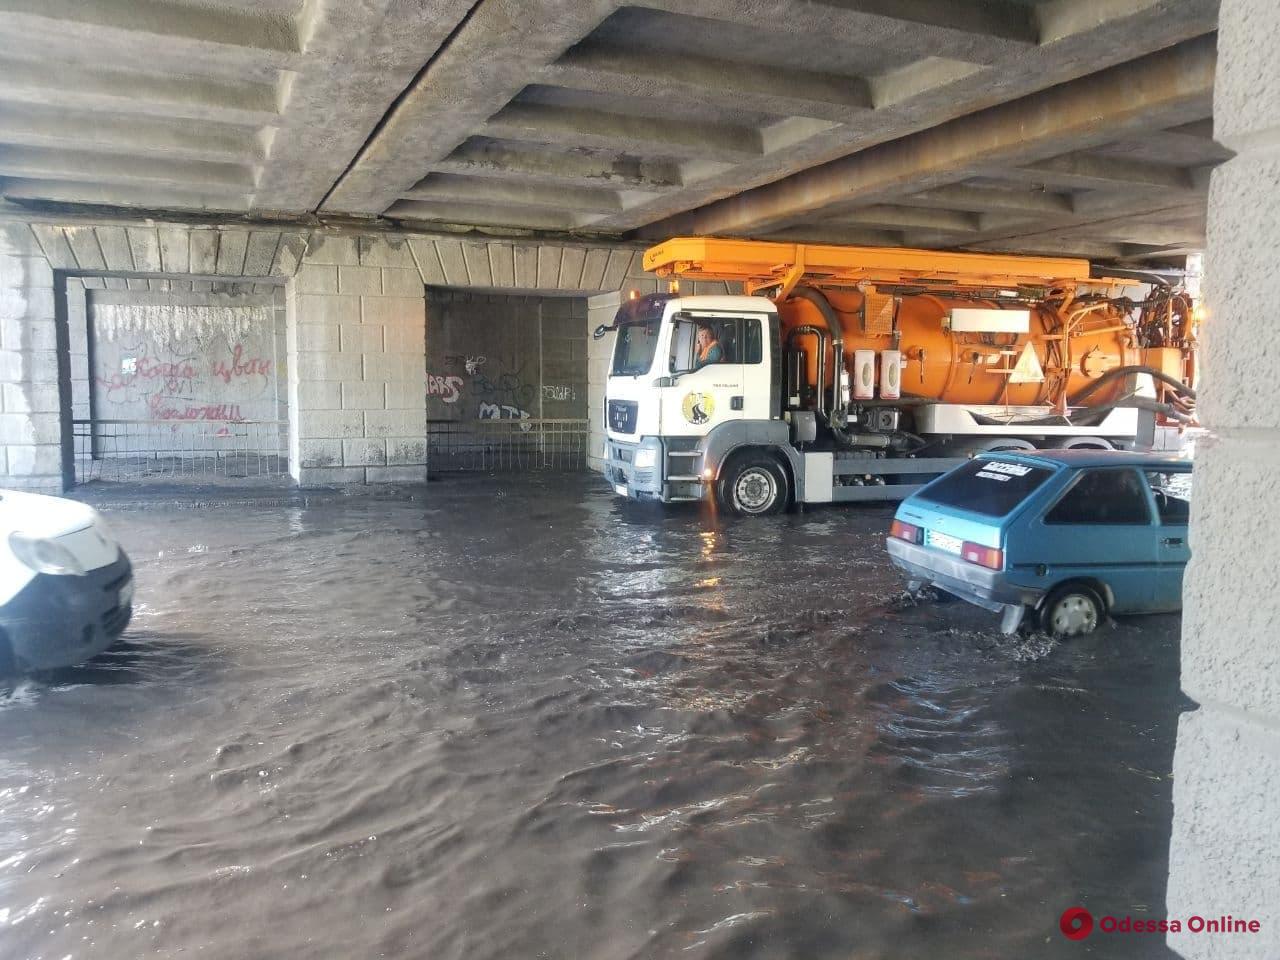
<point>1067,535</point>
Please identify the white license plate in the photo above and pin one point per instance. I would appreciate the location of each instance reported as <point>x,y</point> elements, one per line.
<point>125,597</point>
<point>620,489</point>
<point>943,541</point>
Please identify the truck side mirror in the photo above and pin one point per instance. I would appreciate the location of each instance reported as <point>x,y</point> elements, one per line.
<point>600,332</point>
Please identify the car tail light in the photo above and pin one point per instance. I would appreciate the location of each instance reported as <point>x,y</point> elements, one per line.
<point>983,556</point>
<point>905,531</point>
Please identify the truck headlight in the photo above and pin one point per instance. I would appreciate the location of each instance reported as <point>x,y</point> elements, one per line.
<point>45,556</point>
<point>645,458</point>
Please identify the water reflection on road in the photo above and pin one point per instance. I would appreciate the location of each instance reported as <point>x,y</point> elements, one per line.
<point>530,720</point>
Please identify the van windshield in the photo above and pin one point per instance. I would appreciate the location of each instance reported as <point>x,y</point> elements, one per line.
<point>989,487</point>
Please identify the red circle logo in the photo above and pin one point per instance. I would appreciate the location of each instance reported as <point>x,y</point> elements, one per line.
<point>1076,923</point>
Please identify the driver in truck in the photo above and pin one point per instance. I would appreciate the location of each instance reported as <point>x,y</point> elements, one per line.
<point>709,350</point>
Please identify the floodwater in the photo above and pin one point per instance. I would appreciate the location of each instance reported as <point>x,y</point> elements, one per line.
<point>527,720</point>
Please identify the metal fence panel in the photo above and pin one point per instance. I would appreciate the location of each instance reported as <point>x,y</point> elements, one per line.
<point>507,445</point>
<point>124,450</point>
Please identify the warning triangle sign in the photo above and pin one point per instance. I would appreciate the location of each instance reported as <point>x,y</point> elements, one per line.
<point>1027,369</point>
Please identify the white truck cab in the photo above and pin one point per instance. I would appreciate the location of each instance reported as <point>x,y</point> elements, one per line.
<point>690,377</point>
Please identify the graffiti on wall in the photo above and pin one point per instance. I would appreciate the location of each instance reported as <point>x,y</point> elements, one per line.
<point>447,388</point>
<point>151,364</point>
<point>559,392</point>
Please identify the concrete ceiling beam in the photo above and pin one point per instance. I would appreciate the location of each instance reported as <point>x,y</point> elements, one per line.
<point>480,214</point>
<point>489,59</point>
<point>1082,171</point>
<point>116,195</point>
<point>891,216</point>
<point>206,25</point>
<point>774,90</point>
<point>37,126</point>
<point>1148,93</point>
<point>975,32</point>
<point>37,163</point>
<point>361,56</point>
<point>500,160</point>
<point>982,200</point>
<point>450,187</point>
<point>844,235</point>
<point>131,93</point>
<point>644,136</point>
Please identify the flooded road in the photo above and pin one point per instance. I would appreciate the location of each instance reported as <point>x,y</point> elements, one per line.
<point>528,721</point>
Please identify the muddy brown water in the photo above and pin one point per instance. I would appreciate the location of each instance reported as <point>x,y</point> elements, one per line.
<point>527,720</point>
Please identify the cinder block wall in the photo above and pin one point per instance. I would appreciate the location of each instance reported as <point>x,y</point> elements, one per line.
<point>354,331</point>
<point>30,422</point>
<point>1225,853</point>
<point>356,328</point>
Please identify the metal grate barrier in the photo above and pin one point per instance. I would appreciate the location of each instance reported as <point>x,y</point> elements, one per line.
<point>499,445</point>
<point>124,450</point>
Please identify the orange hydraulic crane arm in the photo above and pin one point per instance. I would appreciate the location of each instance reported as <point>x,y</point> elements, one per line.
<point>760,265</point>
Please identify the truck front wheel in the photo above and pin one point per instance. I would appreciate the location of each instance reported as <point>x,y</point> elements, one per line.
<point>753,485</point>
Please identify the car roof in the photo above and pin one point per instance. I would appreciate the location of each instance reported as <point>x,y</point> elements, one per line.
<point>1080,458</point>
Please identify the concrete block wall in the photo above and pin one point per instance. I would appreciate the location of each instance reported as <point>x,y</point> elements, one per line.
<point>1226,787</point>
<point>353,334</point>
<point>30,420</point>
<point>356,335</point>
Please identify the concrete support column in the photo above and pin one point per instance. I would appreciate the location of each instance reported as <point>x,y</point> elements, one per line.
<point>30,418</point>
<point>600,310</point>
<point>1226,788</point>
<point>356,343</point>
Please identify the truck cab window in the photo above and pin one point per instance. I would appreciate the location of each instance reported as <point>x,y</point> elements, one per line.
<point>1104,497</point>
<point>752,341</point>
<point>634,348</point>
<point>704,342</point>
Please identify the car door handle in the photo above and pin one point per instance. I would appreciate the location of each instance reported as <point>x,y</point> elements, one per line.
<point>1172,541</point>
<point>735,403</point>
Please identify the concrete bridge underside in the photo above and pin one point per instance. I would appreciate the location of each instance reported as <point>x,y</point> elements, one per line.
<point>1063,126</point>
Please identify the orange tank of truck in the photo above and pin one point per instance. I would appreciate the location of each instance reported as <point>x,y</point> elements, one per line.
<point>960,328</point>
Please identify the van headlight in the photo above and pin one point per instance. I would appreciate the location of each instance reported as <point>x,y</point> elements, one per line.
<point>645,458</point>
<point>45,556</point>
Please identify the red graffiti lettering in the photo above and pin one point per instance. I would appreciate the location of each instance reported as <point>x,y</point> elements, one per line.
<point>242,366</point>
<point>159,410</point>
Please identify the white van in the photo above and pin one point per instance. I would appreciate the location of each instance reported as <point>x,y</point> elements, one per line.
<point>66,587</point>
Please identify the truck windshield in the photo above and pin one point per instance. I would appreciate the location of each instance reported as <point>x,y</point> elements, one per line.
<point>989,487</point>
<point>634,348</point>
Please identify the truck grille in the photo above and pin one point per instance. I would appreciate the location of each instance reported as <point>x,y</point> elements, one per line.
<point>622,416</point>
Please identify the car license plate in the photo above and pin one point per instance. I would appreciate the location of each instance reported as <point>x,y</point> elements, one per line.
<point>942,541</point>
<point>125,597</point>
<point>620,489</point>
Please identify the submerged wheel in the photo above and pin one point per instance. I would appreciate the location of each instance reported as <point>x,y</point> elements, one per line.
<point>1072,610</point>
<point>753,485</point>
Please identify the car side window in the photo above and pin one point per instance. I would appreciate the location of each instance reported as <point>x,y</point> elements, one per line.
<point>1172,493</point>
<point>1104,496</point>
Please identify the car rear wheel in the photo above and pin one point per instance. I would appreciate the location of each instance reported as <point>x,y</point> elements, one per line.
<point>1071,611</point>
<point>753,485</point>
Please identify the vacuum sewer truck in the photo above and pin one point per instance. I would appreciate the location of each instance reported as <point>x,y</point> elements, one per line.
<point>860,373</point>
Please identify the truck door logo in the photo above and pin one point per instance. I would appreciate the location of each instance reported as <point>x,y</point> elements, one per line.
<point>698,408</point>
